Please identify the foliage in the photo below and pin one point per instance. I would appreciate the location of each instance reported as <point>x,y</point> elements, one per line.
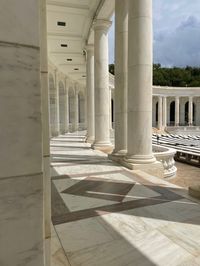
<point>176,76</point>
<point>112,69</point>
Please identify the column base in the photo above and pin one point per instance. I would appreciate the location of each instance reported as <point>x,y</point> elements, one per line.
<point>89,139</point>
<point>154,169</point>
<point>140,159</point>
<point>106,147</point>
<point>148,164</point>
<point>117,156</point>
<point>55,134</point>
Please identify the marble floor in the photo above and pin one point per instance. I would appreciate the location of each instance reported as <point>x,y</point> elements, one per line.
<point>106,215</point>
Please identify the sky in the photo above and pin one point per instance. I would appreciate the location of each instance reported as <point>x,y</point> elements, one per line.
<point>176,33</point>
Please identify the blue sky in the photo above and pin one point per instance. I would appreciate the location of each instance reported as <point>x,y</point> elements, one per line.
<point>176,25</point>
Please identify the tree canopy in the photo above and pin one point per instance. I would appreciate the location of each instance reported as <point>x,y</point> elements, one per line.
<point>175,76</point>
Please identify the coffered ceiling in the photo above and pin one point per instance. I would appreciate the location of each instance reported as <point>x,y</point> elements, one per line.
<point>69,25</point>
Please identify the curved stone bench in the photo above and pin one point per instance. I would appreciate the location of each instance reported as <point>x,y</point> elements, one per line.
<point>166,157</point>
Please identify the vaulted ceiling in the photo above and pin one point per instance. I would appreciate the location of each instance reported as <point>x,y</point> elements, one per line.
<point>69,25</point>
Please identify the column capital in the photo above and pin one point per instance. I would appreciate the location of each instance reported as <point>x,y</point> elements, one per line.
<point>101,24</point>
<point>190,98</point>
<point>89,47</point>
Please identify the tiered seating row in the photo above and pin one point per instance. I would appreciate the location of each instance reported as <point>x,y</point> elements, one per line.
<point>187,146</point>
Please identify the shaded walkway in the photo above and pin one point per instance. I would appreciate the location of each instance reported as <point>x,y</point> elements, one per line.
<point>105,215</point>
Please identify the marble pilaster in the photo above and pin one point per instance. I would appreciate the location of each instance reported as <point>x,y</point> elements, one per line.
<point>45,132</point>
<point>21,176</point>
<point>102,123</point>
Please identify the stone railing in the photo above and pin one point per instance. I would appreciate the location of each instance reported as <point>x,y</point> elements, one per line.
<point>183,128</point>
<point>166,157</point>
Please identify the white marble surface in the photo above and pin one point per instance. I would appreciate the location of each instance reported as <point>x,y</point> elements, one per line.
<point>165,234</point>
<point>58,256</point>
<point>22,26</point>
<point>21,221</point>
<point>147,249</point>
<point>82,234</point>
<point>20,97</point>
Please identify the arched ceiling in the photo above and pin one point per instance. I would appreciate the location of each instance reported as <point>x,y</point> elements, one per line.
<point>69,25</point>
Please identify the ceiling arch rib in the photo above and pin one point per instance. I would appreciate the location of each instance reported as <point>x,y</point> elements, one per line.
<point>69,24</point>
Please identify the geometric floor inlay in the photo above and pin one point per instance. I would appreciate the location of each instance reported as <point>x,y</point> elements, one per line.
<point>101,189</point>
<point>107,190</point>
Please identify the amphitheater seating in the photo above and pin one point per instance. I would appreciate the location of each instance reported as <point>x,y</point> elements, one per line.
<point>187,146</point>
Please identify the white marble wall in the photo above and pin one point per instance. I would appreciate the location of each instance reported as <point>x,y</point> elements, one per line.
<point>21,177</point>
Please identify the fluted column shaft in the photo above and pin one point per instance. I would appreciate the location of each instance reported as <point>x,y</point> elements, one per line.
<point>177,111</point>
<point>159,112</point>
<point>90,93</point>
<point>102,123</point>
<point>140,82</point>
<point>121,76</point>
<point>190,118</point>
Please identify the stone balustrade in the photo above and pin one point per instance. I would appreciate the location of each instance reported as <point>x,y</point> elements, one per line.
<point>166,157</point>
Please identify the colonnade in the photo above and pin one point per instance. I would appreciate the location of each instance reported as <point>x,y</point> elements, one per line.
<point>67,104</point>
<point>133,83</point>
<point>175,111</point>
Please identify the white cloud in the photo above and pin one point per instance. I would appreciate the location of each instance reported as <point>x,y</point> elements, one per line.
<point>177,32</point>
<point>176,27</point>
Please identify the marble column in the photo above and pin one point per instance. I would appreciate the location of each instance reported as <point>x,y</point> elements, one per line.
<point>57,103</point>
<point>164,111</point>
<point>190,115</point>
<point>177,111</point>
<point>66,106</point>
<point>160,112</point>
<point>21,177</point>
<point>90,93</point>
<point>45,131</point>
<point>76,108</point>
<point>121,76</point>
<point>140,83</point>
<point>102,123</point>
